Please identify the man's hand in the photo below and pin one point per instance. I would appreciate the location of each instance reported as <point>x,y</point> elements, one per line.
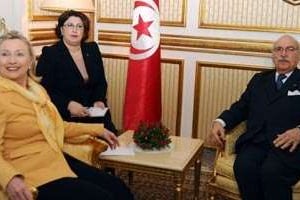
<point>77,110</point>
<point>110,138</point>
<point>217,134</point>
<point>17,190</point>
<point>289,139</point>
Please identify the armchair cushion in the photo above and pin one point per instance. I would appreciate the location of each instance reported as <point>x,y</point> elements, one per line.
<point>224,166</point>
<point>227,184</point>
<point>225,179</point>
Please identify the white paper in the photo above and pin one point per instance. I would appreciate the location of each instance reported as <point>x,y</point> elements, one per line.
<point>97,112</point>
<point>127,150</point>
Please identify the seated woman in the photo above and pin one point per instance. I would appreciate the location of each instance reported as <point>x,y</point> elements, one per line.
<point>72,71</point>
<point>32,134</point>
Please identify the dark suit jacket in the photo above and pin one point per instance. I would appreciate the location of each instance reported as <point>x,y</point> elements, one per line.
<point>63,81</point>
<point>268,112</point>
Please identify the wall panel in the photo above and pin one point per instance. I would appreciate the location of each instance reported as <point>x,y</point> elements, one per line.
<point>116,72</point>
<point>267,15</point>
<point>172,73</point>
<point>195,44</point>
<point>217,87</point>
<point>36,14</point>
<point>172,12</point>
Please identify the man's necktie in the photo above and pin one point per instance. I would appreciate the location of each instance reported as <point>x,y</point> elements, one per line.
<point>279,81</point>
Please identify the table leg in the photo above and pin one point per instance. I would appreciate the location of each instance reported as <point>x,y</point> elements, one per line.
<point>197,171</point>
<point>179,180</point>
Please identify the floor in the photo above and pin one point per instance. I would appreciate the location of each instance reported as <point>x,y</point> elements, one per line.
<point>147,187</point>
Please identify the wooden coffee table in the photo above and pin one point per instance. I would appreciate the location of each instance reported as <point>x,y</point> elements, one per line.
<point>185,153</point>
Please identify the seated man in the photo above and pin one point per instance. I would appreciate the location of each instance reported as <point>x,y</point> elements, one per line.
<point>268,155</point>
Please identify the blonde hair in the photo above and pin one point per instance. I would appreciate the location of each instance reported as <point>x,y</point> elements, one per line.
<point>11,35</point>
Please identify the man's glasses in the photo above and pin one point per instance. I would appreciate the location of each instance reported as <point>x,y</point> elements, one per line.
<point>73,26</point>
<point>286,49</point>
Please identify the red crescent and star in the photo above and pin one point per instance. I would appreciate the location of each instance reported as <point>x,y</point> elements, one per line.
<point>142,27</point>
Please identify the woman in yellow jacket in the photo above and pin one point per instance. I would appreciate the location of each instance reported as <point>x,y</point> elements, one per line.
<point>32,134</point>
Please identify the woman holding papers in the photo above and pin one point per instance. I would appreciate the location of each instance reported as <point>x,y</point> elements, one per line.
<point>72,72</point>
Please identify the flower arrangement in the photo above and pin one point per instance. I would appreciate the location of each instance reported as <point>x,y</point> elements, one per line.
<point>152,136</point>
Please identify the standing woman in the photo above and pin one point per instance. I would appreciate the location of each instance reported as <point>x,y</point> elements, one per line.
<point>72,71</point>
<point>32,134</point>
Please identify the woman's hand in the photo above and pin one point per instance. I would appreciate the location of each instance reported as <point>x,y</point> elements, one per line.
<point>110,138</point>
<point>17,190</point>
<point>77,110</point>
<point>99,104</point>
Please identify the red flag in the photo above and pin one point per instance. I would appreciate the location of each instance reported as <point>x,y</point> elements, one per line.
<point>143,88</point>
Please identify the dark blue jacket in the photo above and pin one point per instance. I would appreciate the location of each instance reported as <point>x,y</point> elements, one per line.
<point>268,112</point>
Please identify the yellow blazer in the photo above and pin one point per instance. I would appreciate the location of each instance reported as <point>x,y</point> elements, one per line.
<point>25,145</point>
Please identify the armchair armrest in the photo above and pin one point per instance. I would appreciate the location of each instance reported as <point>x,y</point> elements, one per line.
<point>34,192</point>
<point>231,138</point>
<point>222,155</point>
<point>85,148</point>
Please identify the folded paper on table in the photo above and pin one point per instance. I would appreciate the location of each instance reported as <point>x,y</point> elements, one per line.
<point>97,112</point>
<point>127,150</point>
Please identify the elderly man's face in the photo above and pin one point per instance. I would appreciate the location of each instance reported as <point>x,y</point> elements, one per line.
<point>285,54</point>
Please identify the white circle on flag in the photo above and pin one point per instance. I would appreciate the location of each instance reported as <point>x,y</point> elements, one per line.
<point>143,45</point>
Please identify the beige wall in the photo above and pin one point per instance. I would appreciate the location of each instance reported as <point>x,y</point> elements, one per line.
<point>14,13</point>
<point>210,48</point>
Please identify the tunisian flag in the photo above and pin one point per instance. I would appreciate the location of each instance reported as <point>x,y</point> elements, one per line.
<point>143,88</point>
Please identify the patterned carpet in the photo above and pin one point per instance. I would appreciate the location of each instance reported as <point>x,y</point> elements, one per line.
<point>146,187</point>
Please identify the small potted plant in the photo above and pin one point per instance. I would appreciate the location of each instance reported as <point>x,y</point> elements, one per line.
<point>152,136</point>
